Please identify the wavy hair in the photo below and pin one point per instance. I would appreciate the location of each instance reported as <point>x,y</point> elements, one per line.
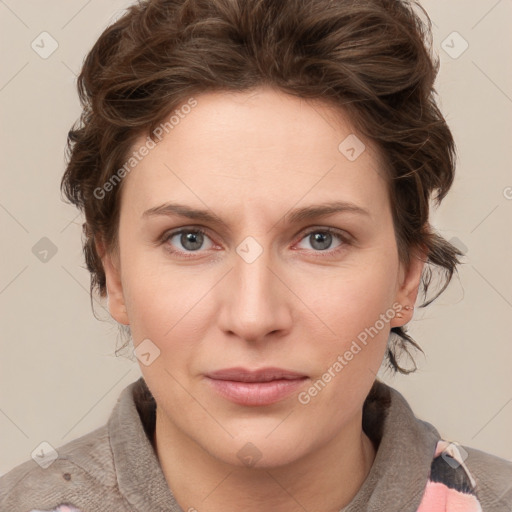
<point>371,58</point>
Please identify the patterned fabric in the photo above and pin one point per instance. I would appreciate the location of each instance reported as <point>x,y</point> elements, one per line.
<point>115,467</point>
<point>60,508</point>
<point>451,486</point>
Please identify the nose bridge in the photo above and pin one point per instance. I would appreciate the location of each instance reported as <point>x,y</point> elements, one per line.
<point>253,276</point>
<point>255,301</point>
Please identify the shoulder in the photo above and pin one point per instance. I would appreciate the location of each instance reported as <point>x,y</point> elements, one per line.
<point>465,478</point>
<point>493,476</point>
<point>79,474</point>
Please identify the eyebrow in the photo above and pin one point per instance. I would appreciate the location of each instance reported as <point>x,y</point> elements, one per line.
<point>295,216</point>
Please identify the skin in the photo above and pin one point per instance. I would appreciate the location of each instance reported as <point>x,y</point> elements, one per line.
<point>250,158</point>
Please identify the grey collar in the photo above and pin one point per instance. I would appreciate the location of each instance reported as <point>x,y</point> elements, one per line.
<point>396,481</point>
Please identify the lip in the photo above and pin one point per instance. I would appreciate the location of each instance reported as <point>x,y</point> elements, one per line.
<point>255,387</point>
<point>261,375</point>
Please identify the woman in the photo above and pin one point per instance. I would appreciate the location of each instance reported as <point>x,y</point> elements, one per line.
<point>256,178</point>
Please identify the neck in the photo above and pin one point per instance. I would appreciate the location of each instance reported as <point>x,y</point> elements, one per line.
<point>325,480</point>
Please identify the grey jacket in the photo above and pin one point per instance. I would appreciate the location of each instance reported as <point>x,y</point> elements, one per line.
<point>114,468</point>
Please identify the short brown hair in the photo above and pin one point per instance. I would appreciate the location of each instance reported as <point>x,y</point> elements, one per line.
<point>369,57</point>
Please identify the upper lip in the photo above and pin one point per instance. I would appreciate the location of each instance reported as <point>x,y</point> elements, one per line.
<point>261,375</point>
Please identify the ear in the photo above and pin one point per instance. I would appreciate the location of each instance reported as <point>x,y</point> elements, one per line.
<point>112,268</point>
<point>409,281</point>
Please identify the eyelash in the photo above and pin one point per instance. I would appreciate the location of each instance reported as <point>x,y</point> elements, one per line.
<point>345,239</point>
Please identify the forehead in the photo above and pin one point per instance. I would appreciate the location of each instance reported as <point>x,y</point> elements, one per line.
<point>261,148</point>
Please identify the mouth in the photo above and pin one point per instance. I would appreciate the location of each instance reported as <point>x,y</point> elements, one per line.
<point>261,375</point>
<point>255,387</point>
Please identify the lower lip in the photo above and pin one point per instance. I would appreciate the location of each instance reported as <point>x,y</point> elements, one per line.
<point>256,393</point>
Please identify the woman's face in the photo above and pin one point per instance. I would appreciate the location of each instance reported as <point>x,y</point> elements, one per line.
<point>265,284</point>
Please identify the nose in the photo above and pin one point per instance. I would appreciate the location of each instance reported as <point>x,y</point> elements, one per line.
<point>257,303</point>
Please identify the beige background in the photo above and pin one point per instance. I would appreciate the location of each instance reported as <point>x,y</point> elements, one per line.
<point>59,375</point>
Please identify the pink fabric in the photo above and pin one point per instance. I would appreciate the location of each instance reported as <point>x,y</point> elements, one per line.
<point>60,508</point>
<point>439,498</point>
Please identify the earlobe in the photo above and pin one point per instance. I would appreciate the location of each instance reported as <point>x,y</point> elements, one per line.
<point>115,302</point>
<point>408,289</point>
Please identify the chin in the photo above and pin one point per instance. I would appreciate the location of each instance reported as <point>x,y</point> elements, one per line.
<point>258,451</point>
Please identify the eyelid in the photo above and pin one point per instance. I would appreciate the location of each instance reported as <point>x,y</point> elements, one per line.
<point>170,233</point>
<point>326,229</point>
<point>345,237</point>
<point>345,240</point>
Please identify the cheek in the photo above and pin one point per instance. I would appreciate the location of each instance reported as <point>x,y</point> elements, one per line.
<point>161,308</point>
<point>355,294</point>
<point>355,306</point>
<point>147,293</point>
<point>168,304</point>
<point>360,309</point>
<point>175,304</point>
